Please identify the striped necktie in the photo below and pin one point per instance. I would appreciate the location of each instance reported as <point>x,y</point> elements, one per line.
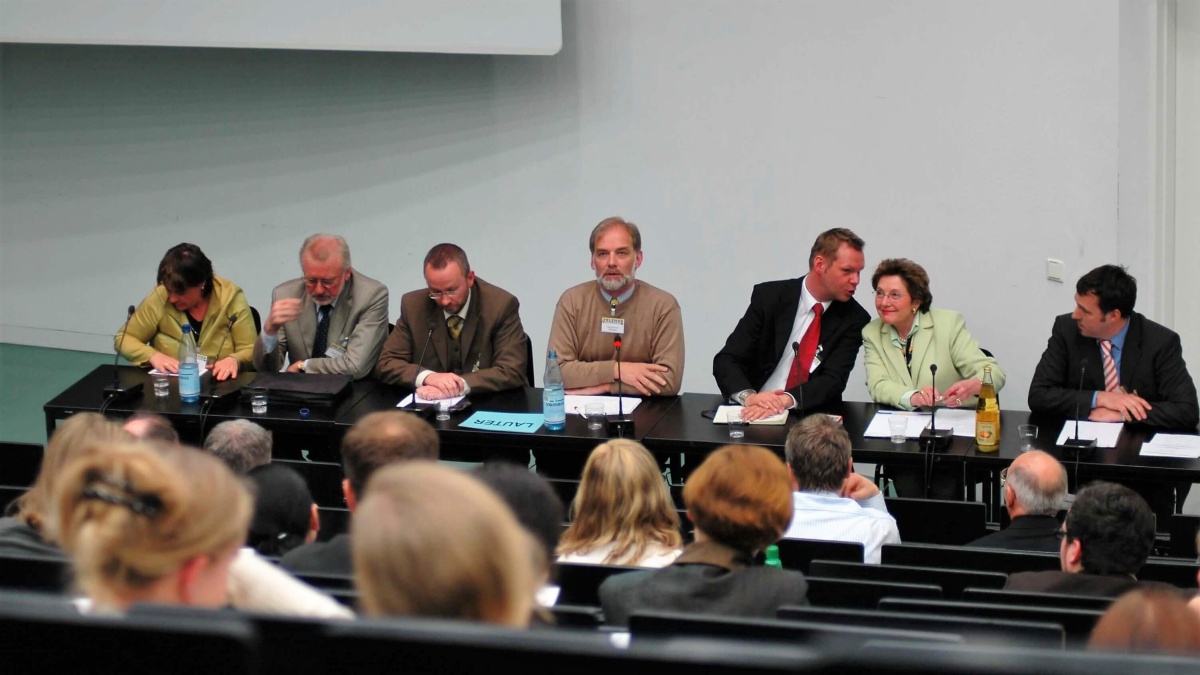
<point>1111,381</point>
<point>454,324</point>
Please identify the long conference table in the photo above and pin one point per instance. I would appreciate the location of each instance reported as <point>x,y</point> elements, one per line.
<point>673,428</point>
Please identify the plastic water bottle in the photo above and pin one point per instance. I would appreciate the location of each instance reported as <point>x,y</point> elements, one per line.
<point>554,410</point>
<point>772,557</point>
<point>189,370</point>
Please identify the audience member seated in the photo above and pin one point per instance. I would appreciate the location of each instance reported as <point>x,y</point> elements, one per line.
<point>188,293</point>
<point>150,426</point>
<point>535,504</point>
<point>740,500</point>
<point>285,515</point>
<point>622,513</point>
<point>1034,490</point>
<point>1106,538</point>
<point>431,541</point>
<point>166,524</point>
<point>373,442</point>
<point>832,502</point>
<point>1148,622</point>
<point>25,532</point>
<point>145,524</point>
<point>241,444</point>
<point>898,349</point>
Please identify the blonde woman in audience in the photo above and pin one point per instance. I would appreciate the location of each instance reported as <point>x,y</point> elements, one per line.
<point>144,524</point>
<point>433,542</point>
<point>622,513</point>
<point>24,533</point>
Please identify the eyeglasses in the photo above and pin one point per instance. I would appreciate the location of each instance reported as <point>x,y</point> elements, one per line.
<point>312,282</point>
<point>894,296</point>
<point>438,295</point>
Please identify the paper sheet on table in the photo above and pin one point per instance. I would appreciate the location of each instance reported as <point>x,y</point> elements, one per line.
<point>1184,446</point>
<point>721,416</point>
<point>575,404</point>
<point>201,363</point>
<point>156,371</point>
<point>1104,433</point>
<point>959,422</point>
<point>441,403</point>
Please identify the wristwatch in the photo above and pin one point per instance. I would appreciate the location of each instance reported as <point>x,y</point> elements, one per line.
<point>304,366</point>
<point>741,396</point>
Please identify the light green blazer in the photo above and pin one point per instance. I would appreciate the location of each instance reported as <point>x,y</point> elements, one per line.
<point>941,338</point>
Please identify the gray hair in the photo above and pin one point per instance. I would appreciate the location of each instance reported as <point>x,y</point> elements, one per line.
<point>1038,497</point>
<point>241,444</point>
<point>317,243</point>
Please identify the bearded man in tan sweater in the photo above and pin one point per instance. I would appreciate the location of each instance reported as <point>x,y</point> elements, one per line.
<point>589,316</point>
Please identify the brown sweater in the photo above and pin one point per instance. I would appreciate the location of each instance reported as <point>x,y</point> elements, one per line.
<point>653,334</point>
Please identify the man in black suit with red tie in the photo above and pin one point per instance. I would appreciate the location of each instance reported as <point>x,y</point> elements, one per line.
<point>797,343</point>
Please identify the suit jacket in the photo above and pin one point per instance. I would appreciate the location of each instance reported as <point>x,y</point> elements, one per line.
<point>321,557</point>
<point>495,353</point>
<point>762,337</point>
<point>1025,533</point>
<point>361,313</point>
<point>1098,585</point>
<point>707,578</point>
<point>1151,365</point>
<point>157,322</point>
<point>942,338</point>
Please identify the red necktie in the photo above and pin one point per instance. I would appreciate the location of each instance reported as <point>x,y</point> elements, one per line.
<point>808,350</point>
<point>1111,381</point>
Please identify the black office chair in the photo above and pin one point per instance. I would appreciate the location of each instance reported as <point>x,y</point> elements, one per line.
<point>952,582</point>
<point>934,521</point>
<point>529,360</point>
<point>20,463</point>
<point>257,320</point>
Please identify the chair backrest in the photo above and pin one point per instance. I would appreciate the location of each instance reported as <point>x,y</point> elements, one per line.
<point>35,573</point>
<point>333,523</point>
<point>20,463</point>
<point>529,368</point>
<point>666,624</point>
<point>952,582</point>
<point>257,319</point>
<point>798,554</point>
<point>579,583</point>
<point>1077,623</point>
<point>1183,535</point>
<point>937,521</point>
<point>1180,573</point>
<point>1000,596</point>
<point>856,593</point>
<point>976,630</point>
<point>577,616</point>
<point>326,582</point>
<point>55,639</point>
<point>966,558</point>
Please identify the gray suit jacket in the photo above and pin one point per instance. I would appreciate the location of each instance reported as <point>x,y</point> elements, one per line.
<point>494,345</point>
<point>361,313</point>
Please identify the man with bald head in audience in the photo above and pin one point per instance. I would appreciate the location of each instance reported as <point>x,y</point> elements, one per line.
<point>376,440</point>
<point>331,320</point>
<point>1033,493</point>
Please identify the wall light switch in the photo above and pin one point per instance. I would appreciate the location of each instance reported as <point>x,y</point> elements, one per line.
<point>1054,270</point>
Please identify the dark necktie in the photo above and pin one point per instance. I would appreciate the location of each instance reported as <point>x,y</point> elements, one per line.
<point>454,324</point>
<point>802,364</point>
<point>322,339</point>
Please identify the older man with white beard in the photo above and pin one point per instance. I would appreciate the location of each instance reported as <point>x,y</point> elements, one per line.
<point>591,316</point>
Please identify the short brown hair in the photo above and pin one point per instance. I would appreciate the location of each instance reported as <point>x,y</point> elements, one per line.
<point>185,266</point>
<point>1147,622</point>
<point>443,254</point>
<point>818,452</point>
<point>384,437</point>
<point>915,279</point>
<point>740,496</point>
<point>432,541</point>
<point>829,241</point>
<point>634,233</point>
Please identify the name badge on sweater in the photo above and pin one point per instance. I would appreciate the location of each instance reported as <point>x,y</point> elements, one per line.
<point>612,325</point>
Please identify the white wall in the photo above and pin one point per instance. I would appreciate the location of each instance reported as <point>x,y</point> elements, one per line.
<point>1187,177</point>
<point>978,138</point>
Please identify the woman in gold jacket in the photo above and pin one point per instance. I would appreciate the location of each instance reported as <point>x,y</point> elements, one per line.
<point>189,291</point>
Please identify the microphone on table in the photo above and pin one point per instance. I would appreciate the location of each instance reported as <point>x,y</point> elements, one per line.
<point>423,408</point>
<point>933,439</point>
<point>116,390</point>
<point>1079,446</point>
<point>211,394</point>
<point>799,401</point>
<point>621,426</point>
